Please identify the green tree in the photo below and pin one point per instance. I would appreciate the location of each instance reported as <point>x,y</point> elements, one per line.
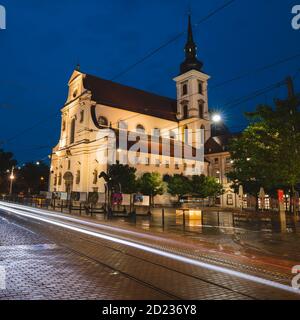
<point>151,184</point>
<point>179,185</point>
<point>32,178</point>
<point>206,187</point>
<point>124,176</point>
<point>267,153</point>
<point>7,161</point>
<point>255,158</point>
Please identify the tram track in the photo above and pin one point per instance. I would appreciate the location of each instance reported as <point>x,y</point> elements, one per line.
<point>88,238</point>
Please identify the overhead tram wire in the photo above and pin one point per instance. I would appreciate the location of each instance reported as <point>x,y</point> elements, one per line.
<point>215,11</point>
<point>161,47</point>
<point>172,40</point>
<point>260,69</point>
<point>28,129</point>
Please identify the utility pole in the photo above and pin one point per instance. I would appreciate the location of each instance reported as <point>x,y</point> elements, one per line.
<point>292,102</point>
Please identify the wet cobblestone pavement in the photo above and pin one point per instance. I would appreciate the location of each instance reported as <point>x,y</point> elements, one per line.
<point>48,262</point>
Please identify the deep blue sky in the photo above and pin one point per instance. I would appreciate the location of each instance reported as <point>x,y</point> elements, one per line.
<point>44,41</point>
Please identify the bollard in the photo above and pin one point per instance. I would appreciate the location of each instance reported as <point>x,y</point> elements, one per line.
<point>183,217</point>
<point>163,218</point>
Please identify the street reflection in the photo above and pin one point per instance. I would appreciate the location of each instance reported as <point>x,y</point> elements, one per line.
<point>214,222</point>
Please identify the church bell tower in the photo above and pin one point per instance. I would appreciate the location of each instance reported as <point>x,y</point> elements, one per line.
<point>191,85</point>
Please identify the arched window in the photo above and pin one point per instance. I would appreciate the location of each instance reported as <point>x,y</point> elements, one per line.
<point>140,128</point>
<point>184,89</point>
<point>55,180</point>
<point>63,125</point>
<point>185,111</point>
<point>103,122</point>
<point>72,131</point>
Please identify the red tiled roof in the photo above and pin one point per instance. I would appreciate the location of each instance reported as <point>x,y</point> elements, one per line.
<point>123,97</point>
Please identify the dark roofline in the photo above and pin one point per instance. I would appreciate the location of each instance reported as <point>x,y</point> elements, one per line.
<point>131,87</point>
<point>128,98</point>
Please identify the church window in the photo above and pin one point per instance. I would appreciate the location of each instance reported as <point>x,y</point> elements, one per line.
<point>184,89</point>
<point>201,109</point>
<point>185,111</point>
<point>200,87</point>
<point>64,125</point>
<point>81,116</point>
<point>72,131</point>
<point>59,179</point>
<point>102,121</point>
<point>140,128</point>
<point>78,177</point>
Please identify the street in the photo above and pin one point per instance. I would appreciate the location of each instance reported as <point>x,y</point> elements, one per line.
<point>56,256</point>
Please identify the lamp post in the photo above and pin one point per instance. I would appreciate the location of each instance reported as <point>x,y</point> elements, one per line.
<point>11,177</point>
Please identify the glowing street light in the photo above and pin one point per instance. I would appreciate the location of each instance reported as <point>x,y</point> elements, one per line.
<point>216,118</point>
<point>11,178</point>
<point>37,163</point>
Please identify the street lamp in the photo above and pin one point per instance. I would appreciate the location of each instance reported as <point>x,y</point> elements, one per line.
<point>216,118</point>
<point>11,177</point>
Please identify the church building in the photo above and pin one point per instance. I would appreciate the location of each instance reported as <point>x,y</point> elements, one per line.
<point>95,104</point>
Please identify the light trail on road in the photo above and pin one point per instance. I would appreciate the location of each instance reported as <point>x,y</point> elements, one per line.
<point>18,211</point>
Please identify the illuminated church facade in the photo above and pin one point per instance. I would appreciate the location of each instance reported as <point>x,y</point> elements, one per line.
<point>95,105</point>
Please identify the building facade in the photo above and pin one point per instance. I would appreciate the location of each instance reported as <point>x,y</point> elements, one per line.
<point>95,106</point>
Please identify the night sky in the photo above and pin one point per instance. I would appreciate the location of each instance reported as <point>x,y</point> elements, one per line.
<point>45,40</point>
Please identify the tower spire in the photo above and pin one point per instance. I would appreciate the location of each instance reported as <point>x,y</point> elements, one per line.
<point>191,62</point>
